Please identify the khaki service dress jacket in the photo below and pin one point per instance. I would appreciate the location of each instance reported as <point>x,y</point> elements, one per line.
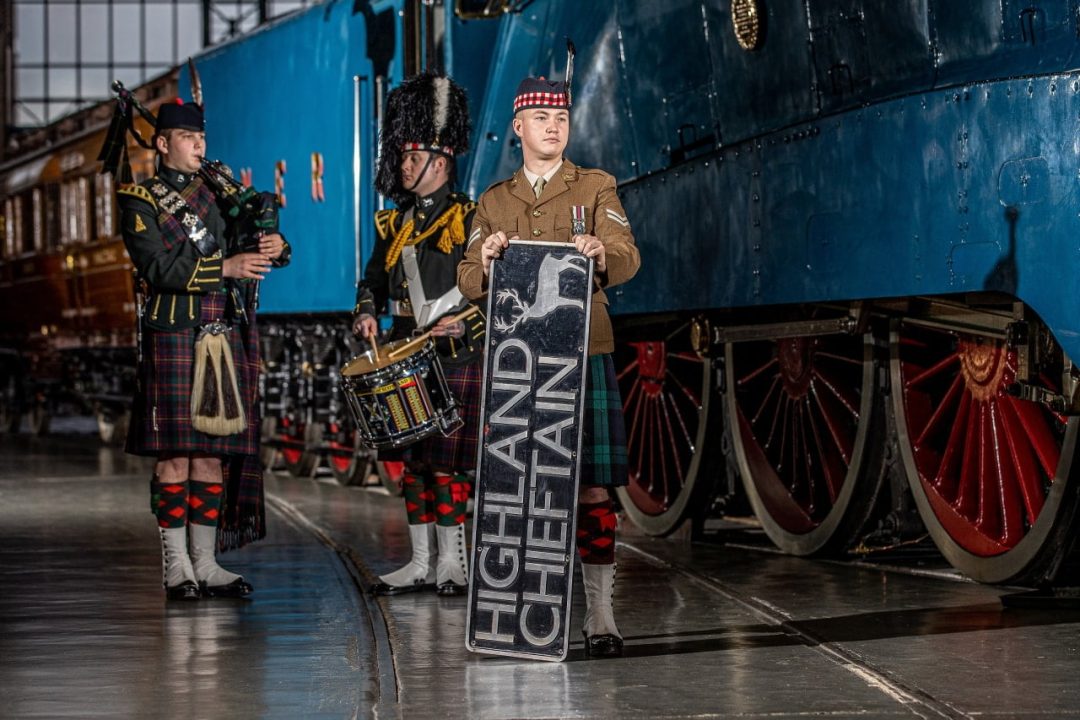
<point>511,206</point>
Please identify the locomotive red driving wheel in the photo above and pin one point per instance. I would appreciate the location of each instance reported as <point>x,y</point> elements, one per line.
<point>665,389</point>
<point>296,441</point>
<point>807,431</point>
<point>991,474</point>
<point>349,460</point>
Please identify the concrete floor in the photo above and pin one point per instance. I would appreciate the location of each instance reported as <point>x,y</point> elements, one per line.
<point>711,631</point>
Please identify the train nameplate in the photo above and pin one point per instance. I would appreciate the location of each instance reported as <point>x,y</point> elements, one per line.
<point>746,20</point>
<point>539,304</point>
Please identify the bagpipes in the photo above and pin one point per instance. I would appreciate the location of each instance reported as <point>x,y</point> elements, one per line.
<point>255,212</point>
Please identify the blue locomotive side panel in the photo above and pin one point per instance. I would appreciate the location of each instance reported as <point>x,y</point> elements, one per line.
<point>307,85</point>
<point>275,99</point>
<point>859,152</point>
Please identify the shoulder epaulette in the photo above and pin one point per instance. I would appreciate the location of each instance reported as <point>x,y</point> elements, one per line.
<point>592,171</point>
<point>384,222</point>
<point>138,191</point>
<point>494,185</point>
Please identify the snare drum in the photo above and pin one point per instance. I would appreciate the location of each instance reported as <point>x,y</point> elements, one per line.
<point>399,397</point>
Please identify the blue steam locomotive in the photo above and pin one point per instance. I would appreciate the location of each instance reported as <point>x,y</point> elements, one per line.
<point>855,221</point>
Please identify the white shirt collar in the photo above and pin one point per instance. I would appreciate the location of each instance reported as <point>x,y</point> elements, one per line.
<point>531,177</point>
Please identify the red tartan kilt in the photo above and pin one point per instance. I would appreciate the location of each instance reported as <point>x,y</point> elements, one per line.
<point>456,452</point>
<point>161,412</point>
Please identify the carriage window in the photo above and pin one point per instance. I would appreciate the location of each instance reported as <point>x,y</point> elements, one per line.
<point>7,248</point>
<point>103,205</point>
<point>52,215</point>
<point>24,224</point>
<point>83,208</point>
<point>65,213</point>
<point>74,209</point>
<point>37,220</point>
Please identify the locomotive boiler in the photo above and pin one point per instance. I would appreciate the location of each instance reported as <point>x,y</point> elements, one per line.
<point>855,219</point>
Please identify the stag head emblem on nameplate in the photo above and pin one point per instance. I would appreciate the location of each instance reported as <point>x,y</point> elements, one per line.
<point>548,297</point>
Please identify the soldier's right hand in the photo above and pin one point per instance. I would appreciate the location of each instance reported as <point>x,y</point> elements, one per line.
<point>492,248</point>
<point>253,266</point>
<point>365,326</point>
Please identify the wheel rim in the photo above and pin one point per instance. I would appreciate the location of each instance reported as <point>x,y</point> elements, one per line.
<point>390,474</point>
<point>982,464</point>
<point>665,389</point>
<point>349,460</point>
<point>268,451</point>
<point>291,433</point>
<point>342,454</point>
<point>801,412</point>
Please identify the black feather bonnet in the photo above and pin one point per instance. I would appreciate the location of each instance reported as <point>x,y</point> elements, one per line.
<point>426,112</point>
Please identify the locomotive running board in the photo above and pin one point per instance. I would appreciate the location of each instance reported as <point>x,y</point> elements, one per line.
<point>524,525</point>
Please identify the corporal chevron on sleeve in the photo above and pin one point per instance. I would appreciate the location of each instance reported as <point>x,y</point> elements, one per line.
<point>621,219</point>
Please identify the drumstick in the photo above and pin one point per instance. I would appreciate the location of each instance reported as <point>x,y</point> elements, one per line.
<point>375,345</point>
<point>421,338</point>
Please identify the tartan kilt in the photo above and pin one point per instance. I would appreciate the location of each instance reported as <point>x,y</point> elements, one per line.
<point>161,411</point>
<point>603,432</point>
<point>457,451</point>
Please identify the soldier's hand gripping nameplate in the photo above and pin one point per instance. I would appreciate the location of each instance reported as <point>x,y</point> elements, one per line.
<point>539,304</point>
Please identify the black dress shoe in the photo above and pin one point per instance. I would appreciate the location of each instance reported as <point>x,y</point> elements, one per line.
<point>238,588</point>
<point>186,590</point>
<point>451,589</point>
<point>603,646</point>
<point>381,588</point>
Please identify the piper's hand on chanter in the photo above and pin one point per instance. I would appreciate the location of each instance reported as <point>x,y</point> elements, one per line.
<point>493,247</point>
<point>365,326</point>
<point>272,245</point>
<point>590,246</point>
<point>249,266</point>
<point>448,327</point>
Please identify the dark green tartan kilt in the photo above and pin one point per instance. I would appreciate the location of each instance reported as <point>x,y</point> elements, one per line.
<point>161,411</point>
<point>603,433</point>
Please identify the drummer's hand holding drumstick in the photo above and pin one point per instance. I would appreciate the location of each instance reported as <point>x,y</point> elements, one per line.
<point>493,248</point>
<point>365,326</point>
<point>448,327</point>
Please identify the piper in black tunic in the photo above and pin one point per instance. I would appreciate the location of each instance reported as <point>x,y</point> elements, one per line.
<point>194,272</point>
<point>429,225</point>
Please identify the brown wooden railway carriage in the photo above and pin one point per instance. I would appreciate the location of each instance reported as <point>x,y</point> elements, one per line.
<point>68,328</point>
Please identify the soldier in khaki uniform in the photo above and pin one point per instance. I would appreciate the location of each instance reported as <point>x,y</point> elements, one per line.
<point>550,198</point>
